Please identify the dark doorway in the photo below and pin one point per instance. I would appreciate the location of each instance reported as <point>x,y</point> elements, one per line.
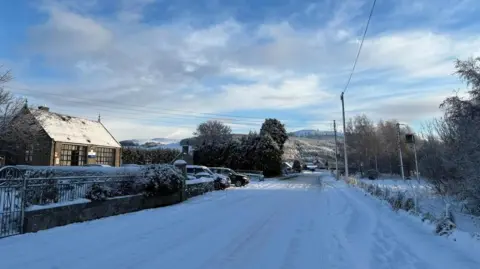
<point>75,158</point>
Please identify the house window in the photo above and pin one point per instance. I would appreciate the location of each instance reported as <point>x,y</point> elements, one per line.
<point>29,154</point>
<point>106,156</point>
<point>73,155</point>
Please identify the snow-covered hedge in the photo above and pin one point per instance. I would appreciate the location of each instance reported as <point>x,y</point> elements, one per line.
<point>98,192</point>
<point>199,186</point>
<point>74,171</point>
<point>161,180</point>
<point>48,184</point>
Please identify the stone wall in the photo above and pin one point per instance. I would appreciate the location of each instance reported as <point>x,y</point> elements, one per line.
<point>42,219</point>
<point>52,217</point>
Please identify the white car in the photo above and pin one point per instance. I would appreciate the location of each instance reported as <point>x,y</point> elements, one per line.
<point>221,181</point>
<point>311,167</point>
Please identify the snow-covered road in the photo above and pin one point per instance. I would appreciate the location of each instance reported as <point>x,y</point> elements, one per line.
<point>273,224</point>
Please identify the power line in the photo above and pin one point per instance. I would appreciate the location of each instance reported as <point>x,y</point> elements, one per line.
<point>346,87</point>
<point>122,106</point>
<point>360,48</point>
<point>177,119</point>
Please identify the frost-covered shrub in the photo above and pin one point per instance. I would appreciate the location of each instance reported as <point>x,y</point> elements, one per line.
<point>41,192</point>
<point>446,225</point>
<point>371,189</point>
<point>396,201</point>
<point>97,192</point>
<point>127,187</point>
<point>378,192</point>
<point>161,180</point>
<point>409,204</point>
<point>386,193</point>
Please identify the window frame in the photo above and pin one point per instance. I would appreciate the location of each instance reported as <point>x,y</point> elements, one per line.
<point>66,154</point>
<point>105,156</point>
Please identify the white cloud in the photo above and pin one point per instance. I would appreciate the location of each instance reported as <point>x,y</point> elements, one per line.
<point>231,66</point>
<point>66,33</point>
<point>420,54</point>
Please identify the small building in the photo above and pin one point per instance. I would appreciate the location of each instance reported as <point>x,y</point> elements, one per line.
<point>41,137</point>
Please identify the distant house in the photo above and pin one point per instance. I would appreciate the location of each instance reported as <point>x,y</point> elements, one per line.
<point>41,137</point>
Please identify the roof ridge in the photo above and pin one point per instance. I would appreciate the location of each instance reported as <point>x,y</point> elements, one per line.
<point>61,114</point>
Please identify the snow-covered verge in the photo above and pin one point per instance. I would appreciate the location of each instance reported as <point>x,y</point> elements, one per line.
<point>430,205</point>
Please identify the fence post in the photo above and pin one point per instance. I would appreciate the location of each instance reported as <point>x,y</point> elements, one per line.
<point>23,203</point>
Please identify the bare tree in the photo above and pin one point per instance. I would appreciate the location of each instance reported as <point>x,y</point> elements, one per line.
<point>18,132</point>
<point>9,104</point>
<point>213,132</point>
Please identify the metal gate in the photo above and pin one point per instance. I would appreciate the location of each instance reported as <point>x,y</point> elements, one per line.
<point>12,192</point>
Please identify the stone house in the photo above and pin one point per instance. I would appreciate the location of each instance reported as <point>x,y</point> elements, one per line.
<point>38,136</point>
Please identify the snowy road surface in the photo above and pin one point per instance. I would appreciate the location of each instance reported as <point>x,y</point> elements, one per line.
<point>272,224</point>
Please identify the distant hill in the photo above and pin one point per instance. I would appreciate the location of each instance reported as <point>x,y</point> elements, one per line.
<point>318,134</point>
<point>152,143</point>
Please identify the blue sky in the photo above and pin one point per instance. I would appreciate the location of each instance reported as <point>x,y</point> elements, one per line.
<point>156,68</point>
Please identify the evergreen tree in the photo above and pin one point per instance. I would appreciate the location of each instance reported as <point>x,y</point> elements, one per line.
<point>297,166</point>
<point>276,130</point>
<point>269,156</point>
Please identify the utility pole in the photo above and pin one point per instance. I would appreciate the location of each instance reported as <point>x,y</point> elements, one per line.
<point>336,149</point>
<point>344,137</point>
<point>400,151</point>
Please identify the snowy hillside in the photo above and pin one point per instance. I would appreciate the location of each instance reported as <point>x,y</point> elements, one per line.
<point>309,149</point>
<point>153,143</point>
<point>315,134</point>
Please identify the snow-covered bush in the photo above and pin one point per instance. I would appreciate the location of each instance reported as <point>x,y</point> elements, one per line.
<point>378,192</point>
<point>409,204</point>
<point>41,192</point>
<point>396,201</point>
<point>446,225</point>
<point>97,192</point>
<point>127,187</point>
<point>161,180</point>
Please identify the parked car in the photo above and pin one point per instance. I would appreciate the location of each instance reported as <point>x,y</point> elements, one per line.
<point>237,179</point>
<point>311,166</point>
<point>221,182</point>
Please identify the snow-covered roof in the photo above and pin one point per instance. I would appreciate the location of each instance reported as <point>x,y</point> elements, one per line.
<point>64,128</point>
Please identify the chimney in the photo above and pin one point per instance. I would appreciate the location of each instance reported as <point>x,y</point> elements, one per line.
<point>44,108</point>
